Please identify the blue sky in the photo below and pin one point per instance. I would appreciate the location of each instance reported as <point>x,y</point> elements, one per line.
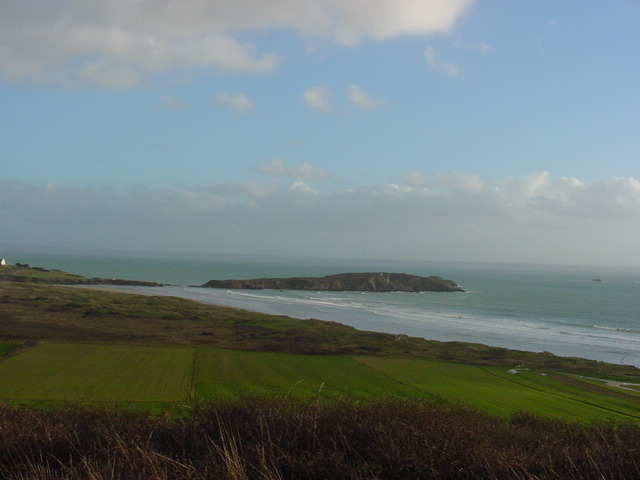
<point>434,130</point>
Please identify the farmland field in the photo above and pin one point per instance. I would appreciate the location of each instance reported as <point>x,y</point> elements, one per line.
<point>86,372</point>
<point>155,374</point>
<point>233,372</point>
<point>495,390</point>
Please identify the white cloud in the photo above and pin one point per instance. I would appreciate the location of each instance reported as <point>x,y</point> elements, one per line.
<point>303,187</point>
<point>529,219</point>
<point>117,43</point>
<point>319,97</point>
<point>350,20</point>
<point>240,103</point>
<point>304,172</point>
<point>362,99</point>
<point>448,68</point>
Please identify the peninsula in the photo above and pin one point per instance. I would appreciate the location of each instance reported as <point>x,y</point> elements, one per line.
<point>365,282</point>
<point>25,273</point>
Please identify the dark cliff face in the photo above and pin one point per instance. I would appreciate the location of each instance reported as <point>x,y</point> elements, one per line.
<point>367,282</point>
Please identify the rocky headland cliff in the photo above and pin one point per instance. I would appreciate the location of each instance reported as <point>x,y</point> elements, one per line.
<point>366,282</point>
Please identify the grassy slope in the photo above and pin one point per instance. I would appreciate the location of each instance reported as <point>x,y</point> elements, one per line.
<point>21,274</point>
<point>12,273</point>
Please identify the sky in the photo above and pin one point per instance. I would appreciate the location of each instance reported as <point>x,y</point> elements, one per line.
<point>453,130</point>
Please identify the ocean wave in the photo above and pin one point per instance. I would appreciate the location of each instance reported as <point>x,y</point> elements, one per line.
<point>601,339</point>
<point>616,329</point>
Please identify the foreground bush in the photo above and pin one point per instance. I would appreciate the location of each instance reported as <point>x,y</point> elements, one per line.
<point>275,439</point>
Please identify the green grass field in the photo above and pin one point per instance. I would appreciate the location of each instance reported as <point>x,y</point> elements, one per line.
<point>496,391</point>
<point>169,375</point>
<point>86,372</point>
<point>232,373</point>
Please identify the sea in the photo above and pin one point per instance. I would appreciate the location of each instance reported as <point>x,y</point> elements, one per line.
<point>586,312</point>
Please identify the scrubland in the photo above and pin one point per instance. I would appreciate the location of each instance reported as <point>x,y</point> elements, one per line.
<point>276,438</point>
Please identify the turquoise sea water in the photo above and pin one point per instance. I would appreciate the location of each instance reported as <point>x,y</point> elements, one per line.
<point>537,308</point>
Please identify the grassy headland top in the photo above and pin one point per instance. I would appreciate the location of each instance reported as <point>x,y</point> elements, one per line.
<point>26,273</point>
<point>367,282</point>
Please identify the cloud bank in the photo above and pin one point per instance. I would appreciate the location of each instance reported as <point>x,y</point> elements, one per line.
<point>449,217</point>
<point>116,43</point>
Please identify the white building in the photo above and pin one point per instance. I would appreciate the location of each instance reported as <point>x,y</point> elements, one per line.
<point>3,261</point>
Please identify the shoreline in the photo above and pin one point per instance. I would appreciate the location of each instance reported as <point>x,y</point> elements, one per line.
<point>327,306</point>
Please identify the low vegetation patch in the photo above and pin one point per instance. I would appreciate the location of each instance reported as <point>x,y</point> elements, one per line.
<point>7,348</point>
<point>258,438</point>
